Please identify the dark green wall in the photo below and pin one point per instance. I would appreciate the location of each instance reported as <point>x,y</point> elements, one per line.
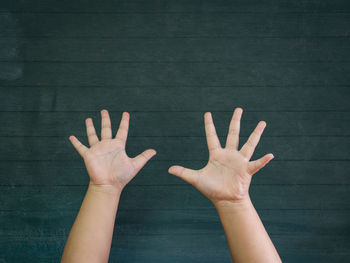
<point>168,62</point>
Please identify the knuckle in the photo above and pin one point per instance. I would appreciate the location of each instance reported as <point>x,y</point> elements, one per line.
<point>256,134</point>
<point>143,155</point>
<point>91,133</point>
<point>118,139</point>
<point>211,133</point>
<point>183,170</point>
<point>233,131</point>
<point>250,143</point>
<point>123,129</point>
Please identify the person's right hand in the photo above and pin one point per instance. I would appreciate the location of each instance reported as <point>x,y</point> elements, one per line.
<point>228,173</point>
<point>106,161</point>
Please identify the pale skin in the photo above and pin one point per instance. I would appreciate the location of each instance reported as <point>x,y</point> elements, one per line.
<point>225,180</point>
<point>109,169</point>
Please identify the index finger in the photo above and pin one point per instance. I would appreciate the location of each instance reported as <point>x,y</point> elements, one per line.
<point>210,132</point>
<point>248,148</point>
<point>122,133</point>
<point>81,148</point>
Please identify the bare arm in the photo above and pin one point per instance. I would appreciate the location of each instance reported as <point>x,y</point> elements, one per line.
<point>109,169</point>
<point>225,180</point>
<point>246,235</point>
<point>91,235</point>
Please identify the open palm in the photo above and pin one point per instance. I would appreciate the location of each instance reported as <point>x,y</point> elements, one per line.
<point>106,161</point>
<point>228,173</point>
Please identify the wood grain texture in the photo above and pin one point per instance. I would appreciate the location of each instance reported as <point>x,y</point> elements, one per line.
<point>73,172</point>
<point>167,63</point>
<point>176,97</point>
<point>175,123</point>
<point>251,6</point>
<point>279,222</point>
<point>145,25</point>
<point>186,74</point>
<point>178,148</point>
<point>193,229</point>
<point>191,49</point>
<point>52,198</point>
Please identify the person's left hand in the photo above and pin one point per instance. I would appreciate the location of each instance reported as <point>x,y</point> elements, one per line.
<point>228,173</point>
<point>106,161</point>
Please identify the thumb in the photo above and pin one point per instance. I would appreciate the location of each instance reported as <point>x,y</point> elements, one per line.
<point>140,160</point>
<point>256,165</point>
<point>186,174</point>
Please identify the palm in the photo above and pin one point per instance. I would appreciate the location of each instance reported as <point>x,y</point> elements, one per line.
<point>224,176</point>
<point>228,173</point>
<point>103,158</point>
<point>106,161</point>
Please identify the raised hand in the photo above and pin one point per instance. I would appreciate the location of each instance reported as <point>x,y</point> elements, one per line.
<point>228,173</point>
<point>106,160</point>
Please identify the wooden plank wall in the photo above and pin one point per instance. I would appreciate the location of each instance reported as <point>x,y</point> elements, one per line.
<point>168,62</point>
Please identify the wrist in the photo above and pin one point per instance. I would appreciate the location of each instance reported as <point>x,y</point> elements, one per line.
<point>105,189</point>
<point>233,205</point>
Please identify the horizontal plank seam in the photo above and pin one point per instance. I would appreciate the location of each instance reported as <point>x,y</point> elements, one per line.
<point>174,12</point>
<point>176,160</point>
<point>153,185</point>
<point>147,111</point>
<point>182,209</point>
<point>170,61</point>
<point>181,136</point>
<point>177,86</point>
<point>175,37</point>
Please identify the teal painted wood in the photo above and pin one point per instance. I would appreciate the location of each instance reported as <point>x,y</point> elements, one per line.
<point>176,97</point>
<point>180,6</point>
<point>73,172</point>
<point>192,49</point>
<point>187,247</point>
<point>179,148</point>
<point>145,25</point>
<point>175,123</point>
<point>168,62</point>
<point>53,198</point>
<point>185,74</point>
<point>279,222</point>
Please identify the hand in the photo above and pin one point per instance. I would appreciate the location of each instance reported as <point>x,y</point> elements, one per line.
<point>106,161</point>
<point>228,173</point>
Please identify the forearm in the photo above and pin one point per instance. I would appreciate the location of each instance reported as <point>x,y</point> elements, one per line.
<point>246,235</point>
<point>91,235</point>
